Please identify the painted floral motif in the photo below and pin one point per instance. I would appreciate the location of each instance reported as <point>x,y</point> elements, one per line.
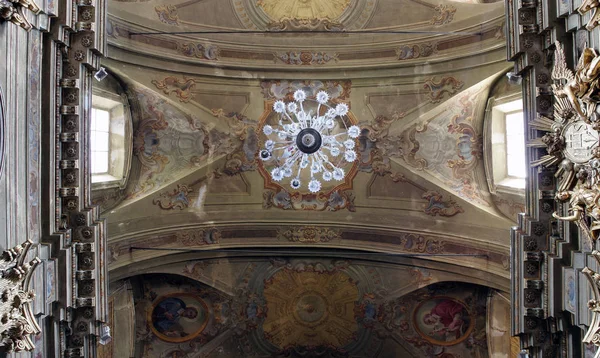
<point>306,57</point>
<point>438,205</point>
<point>445,15</point>
<point>199,237</point>
<point>205,52</point>
<point>417,243</point>
<point>293,24</point>
<point>176,199</point>
<point>437,89</point>
<point>309,234</point>
<point>409,52</point>
<point>283,89</point>
<point>167,14</point>
<point>181,87</point>
<point>282,199</point>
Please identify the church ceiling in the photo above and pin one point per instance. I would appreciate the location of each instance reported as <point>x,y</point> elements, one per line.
<point>316,307</point>
<point>199,104</point>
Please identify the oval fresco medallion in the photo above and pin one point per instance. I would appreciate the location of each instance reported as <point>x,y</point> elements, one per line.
<point>443,321</point>
<point>178,317</point>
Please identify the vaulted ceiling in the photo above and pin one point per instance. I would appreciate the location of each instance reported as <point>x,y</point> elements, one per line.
<point>201,77</point>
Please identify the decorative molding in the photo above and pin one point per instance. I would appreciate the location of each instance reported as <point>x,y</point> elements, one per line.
<point>437,89</point>
<point>198,237</point>
<point>295,24</point>
<point>167,14</point>
<point>178,198</point>
<point>12,10</point>
<point>181,87</point>
<point>306,57</point>
<point>309,234</point>
<point>205,52</point>
<point>445,15</point>
<point>17,322</point>
<point>413,51</point>
<point>590,5</point>
<point>438,205</point>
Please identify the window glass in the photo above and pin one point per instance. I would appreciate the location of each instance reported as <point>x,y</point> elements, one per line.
<point>515,145</point>
<point>100,140</point>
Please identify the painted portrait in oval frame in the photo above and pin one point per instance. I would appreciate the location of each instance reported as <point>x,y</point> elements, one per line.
<point>178,317</point>
<point>443,321</point>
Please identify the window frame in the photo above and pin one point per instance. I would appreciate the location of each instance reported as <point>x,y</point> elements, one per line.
<point>506,114</point>
<point>495,157</point>
<point>111,102</point>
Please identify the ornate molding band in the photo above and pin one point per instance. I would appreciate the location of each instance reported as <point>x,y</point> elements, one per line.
<point>293,24</point>
<point>409,52</point>
<point>17,321</point>
<point>309,234</point>
<point>306,57</point>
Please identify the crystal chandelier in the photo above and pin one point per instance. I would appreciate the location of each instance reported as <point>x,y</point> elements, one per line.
<point>320,142</point>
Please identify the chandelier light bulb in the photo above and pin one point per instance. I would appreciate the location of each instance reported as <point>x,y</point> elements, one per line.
<point>314,186</point>
<point>322,97</point>
<point>299,96</point>
<point>279,107</point>
<point>306,137</point>
<point>350,156</point>
<point>354,132</point>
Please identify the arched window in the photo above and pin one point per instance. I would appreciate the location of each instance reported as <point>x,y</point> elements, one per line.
<point>506,166</point>
<point>110,126</point>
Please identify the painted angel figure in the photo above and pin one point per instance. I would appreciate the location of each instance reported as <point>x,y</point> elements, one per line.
<point>583,85</point>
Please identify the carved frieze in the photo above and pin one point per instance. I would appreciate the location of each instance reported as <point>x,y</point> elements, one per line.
<point>17,322</point>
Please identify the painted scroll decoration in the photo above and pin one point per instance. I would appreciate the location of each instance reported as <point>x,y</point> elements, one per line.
<point>17,322</point>
<point>571,143</point>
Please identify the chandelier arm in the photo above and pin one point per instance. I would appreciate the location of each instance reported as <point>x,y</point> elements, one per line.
<point>291,160</point>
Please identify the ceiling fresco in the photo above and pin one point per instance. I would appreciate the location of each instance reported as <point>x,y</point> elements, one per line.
<point>315,307</point>
<point>400,259</point>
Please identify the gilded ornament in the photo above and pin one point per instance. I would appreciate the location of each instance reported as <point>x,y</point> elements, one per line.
<point>590,5</point>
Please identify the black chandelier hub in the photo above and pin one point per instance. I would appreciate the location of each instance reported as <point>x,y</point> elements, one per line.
<point>308,140</point>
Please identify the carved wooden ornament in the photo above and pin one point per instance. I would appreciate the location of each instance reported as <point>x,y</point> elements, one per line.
<point>17,322</point>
